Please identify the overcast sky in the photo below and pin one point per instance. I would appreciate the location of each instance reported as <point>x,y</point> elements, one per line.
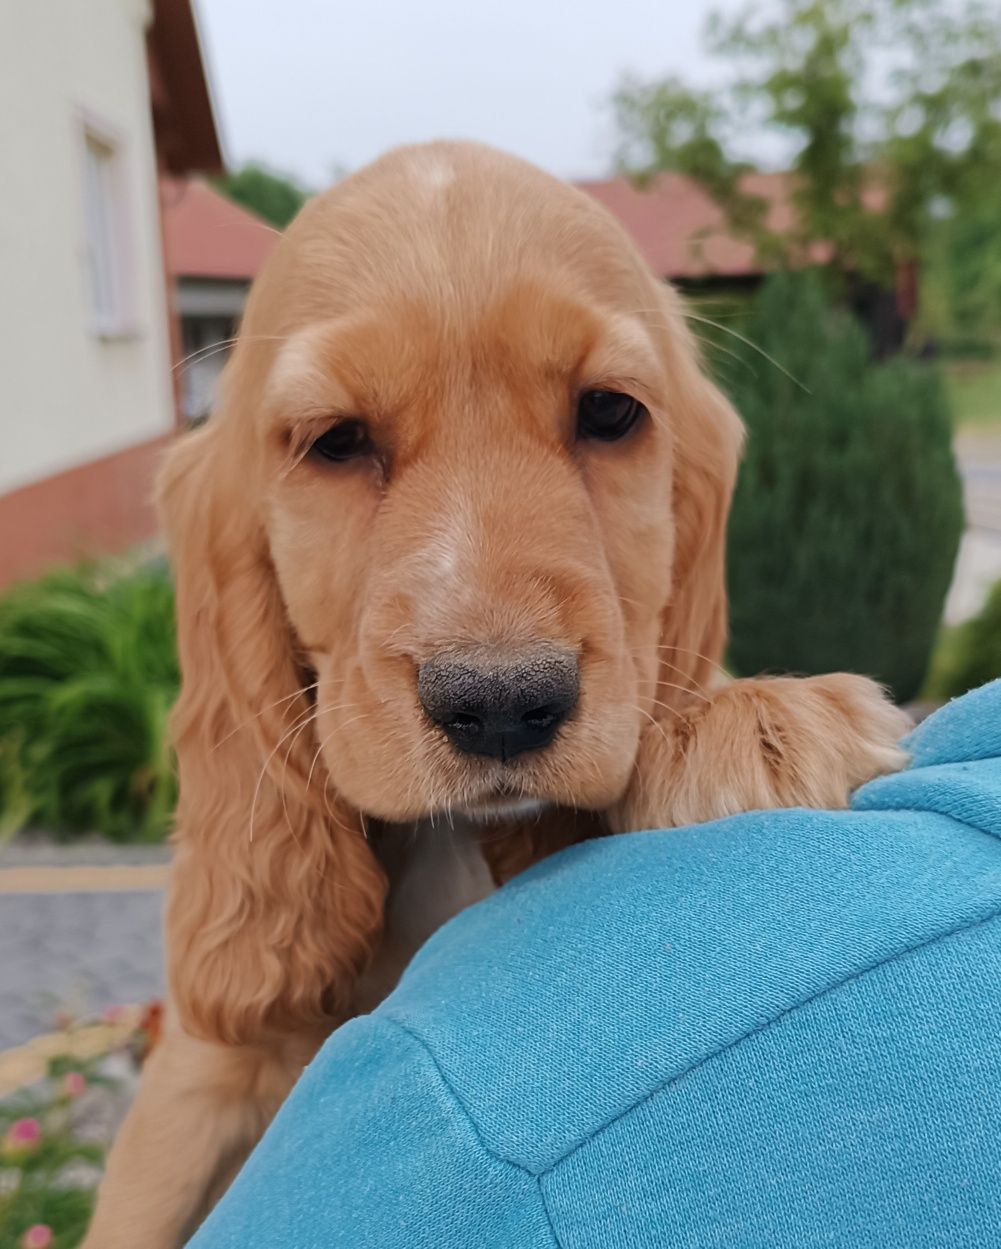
<point>312,85</point>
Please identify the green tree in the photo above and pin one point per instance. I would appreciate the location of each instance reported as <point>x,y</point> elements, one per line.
<point>271,195</point>
<point>888,103</point>
<point>961,277</point>
<point>848,509</point>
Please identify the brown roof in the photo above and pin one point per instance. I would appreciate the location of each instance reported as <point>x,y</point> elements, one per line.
<point>184,123</point>
<point>206,235</point>
<point>667,218</point>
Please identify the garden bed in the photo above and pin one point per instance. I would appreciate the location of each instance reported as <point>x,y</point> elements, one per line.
<point>61,1100</point>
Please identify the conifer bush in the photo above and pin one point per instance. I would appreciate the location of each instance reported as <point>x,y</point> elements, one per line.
<point>848,510</point>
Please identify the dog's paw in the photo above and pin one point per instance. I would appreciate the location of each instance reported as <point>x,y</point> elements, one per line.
<point>764,743</point>
<point>863,729</point>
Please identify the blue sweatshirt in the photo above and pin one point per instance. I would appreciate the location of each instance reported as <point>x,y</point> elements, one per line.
<point>776,1031</point>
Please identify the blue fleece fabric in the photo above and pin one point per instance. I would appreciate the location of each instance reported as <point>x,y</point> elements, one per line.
<point>777,1031</point>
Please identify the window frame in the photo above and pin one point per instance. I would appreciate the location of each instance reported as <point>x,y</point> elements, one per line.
<point>119,320</point>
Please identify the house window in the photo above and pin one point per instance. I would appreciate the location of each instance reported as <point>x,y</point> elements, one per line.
<point>105,233</point>
<point>206,341</point>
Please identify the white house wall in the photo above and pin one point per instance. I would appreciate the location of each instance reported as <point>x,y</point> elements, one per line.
<point>69,395</point>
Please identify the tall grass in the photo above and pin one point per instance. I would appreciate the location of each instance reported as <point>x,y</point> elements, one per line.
<point>88,671</point>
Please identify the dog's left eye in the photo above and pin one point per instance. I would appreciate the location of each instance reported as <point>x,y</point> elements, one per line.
<point>345,441</point>
<point>607,414</point>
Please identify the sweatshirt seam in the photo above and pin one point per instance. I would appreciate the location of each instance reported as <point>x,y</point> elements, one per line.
<point>766,1026</point>
<point>878,809</point>
<point>467,1117</point>
<point>539,1173</point>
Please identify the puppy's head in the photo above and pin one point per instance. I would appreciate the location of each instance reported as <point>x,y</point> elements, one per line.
<point>466,449</point>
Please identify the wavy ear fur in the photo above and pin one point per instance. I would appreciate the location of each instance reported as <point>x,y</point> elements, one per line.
<point>276,900</point>
<point>708,440</point>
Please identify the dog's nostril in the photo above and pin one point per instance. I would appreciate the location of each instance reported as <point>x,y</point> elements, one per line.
<point>464,730</point>
<point>540,717</point>
<point>500,703</point>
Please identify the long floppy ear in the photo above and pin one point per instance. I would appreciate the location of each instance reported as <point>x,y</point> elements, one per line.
<point>276,899</point>
<point>708,439</point>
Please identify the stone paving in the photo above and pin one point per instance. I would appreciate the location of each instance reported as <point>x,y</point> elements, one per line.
<point>79,951</point>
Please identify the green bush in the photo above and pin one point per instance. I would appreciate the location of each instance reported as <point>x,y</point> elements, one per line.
<point>88,671</point>
<point>973,654</point>
<point>848,509</point>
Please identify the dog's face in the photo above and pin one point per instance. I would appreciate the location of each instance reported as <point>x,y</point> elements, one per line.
<point>470,522</point>
<point>461,411</point>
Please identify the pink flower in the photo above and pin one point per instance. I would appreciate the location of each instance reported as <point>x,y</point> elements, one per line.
<point>38,1236</point>
<point>22,1137</point>
<point>73,1084</point>
<point>113,1014</point>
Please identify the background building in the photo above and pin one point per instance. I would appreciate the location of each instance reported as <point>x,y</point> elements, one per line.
<point>213,249</point>
<point>95,99</point>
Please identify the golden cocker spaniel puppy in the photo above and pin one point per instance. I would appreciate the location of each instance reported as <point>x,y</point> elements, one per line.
<point>450,581</point>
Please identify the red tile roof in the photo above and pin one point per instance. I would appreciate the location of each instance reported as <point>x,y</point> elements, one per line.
<point>667,218</point>
<point>206,235</point>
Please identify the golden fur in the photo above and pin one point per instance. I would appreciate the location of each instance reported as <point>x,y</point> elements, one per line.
<point>458,300</point>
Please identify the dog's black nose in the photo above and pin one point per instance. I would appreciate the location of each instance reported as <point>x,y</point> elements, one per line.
<point>498,702</point>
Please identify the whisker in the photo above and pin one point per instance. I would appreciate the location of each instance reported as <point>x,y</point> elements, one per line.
<point>742,338</point>
<point>726,329</point>
<point>686,650</point>
<point>257,714</point>
<point>297,727</point>
<point>695,685</point>
<point>263,773</point>
<point>212,349</point>
<point>709,345</point>
<point>204,353</point>
<point>684,689</point>
<point>657,724</point>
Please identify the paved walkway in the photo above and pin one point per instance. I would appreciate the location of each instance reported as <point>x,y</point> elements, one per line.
<point>77,937</point>
<point>979,563</point>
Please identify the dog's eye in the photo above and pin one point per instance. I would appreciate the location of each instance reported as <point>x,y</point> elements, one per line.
<point>607,414</point>
<point>345,441</point>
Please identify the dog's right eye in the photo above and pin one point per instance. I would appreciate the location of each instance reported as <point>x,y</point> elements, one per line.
<point>348,440</point>
<point>607,415</point>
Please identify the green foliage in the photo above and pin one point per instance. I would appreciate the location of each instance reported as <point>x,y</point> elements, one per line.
<point>973,655</point>
<point>961,283</point>
<point>848,509</point>
<point>48,1181</point>
<point>88,672</point>
<point>892,102</point>
<point>974,389</point>
<point>271,195</point>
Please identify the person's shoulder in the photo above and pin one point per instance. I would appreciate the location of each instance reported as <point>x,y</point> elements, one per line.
<point>955,765</point>
<point>619,965</point>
